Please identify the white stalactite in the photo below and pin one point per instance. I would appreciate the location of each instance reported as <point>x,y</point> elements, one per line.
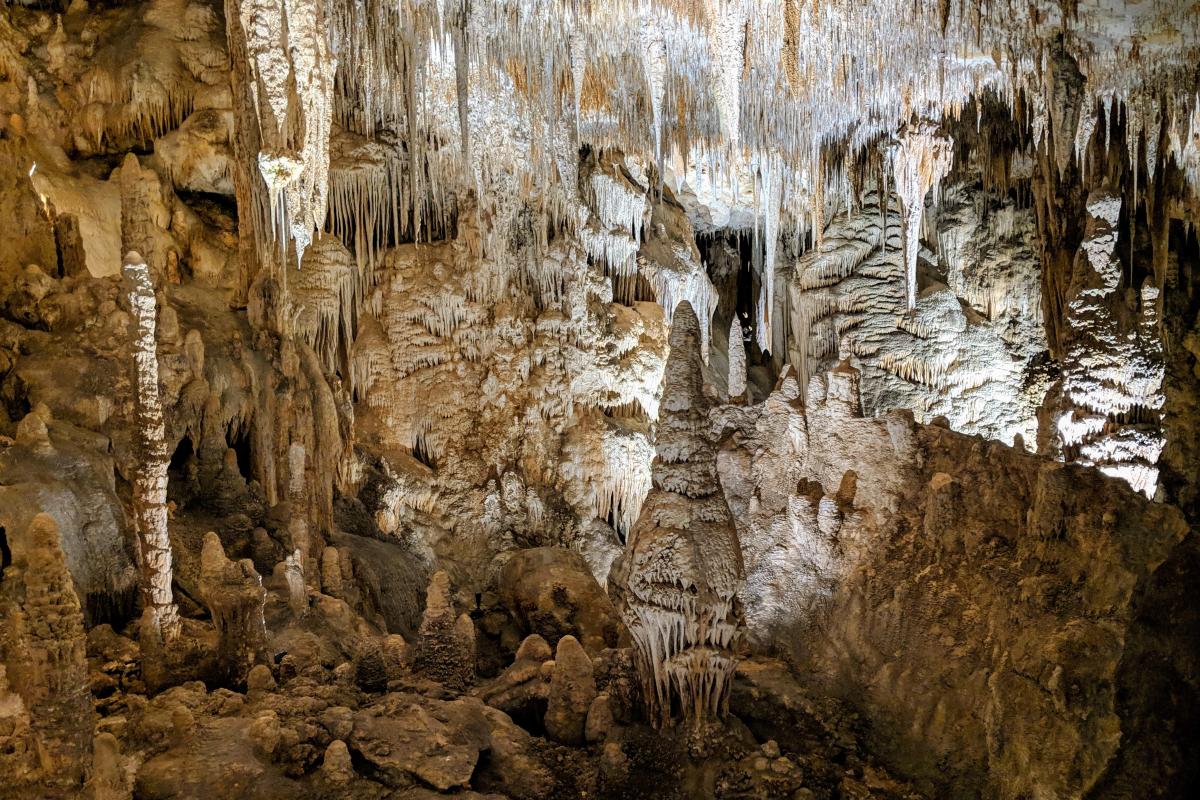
<point>772,201</point>
<point>920,162</point>
<point>291,60</point>
<point>654,58</point>
<point>727,42</point>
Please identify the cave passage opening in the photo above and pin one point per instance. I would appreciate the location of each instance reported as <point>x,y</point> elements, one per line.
<point>238,440</point>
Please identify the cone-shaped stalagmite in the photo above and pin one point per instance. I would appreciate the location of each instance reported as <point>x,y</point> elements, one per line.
<point>46,715</point>
<point>676,583</point>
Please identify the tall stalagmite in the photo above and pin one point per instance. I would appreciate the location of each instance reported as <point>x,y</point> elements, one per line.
<point>46,714</point>
<point>160,614</point>
<point>676,583</point>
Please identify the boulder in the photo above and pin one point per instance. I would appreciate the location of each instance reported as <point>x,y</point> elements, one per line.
<point>514,766</point>
<point>521,691</point>
<point>550,591</point>
<point>405,736</point>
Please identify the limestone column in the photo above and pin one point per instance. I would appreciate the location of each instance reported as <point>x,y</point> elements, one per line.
<point>160,615</point>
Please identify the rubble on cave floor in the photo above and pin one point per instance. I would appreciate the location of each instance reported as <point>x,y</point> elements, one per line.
<point>317,718</point>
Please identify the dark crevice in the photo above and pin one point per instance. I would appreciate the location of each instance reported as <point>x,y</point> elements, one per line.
<point>422,454</point>
<point>5,552</point>
<point>239,442</point>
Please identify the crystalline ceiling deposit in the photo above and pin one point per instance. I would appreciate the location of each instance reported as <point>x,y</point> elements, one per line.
<point>757,116</point>
<point>919,163</point>
<point>724,82</point>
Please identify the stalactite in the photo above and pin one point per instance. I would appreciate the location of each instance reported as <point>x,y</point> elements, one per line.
<point>654,57</point>
<point>727,40</point>
<point>293,69</point>
<point>920,162</point>
<point>772,192</point>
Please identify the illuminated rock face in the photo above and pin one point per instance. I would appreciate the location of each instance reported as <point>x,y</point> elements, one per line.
<point>676,585</point>
<point>871,546</point>
<point>965,351</point>
<point>1113,381</point>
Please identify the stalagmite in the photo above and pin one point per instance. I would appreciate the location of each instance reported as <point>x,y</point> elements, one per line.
<point>676,583</point>
<point>572,690</point>
<point>737,361</point>
<point>160,616</point>
<point>46,714</point>
<point>234,594</point>
<point>445,649</point>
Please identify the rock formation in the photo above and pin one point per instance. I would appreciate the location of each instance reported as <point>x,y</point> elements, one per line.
<point>161,617</point>
<point>446,639</point>
<point>572,690</point>
<point>676,584</point>
<point>1112,382</point>
<point>47,717</point>
<point>234,594</point>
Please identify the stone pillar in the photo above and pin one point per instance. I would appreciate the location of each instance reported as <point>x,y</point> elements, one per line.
<point>160,619</point>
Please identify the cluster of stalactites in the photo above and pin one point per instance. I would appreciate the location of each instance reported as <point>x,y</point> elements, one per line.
<point>723,76</point>
<point>292,71</point>
<point>777,95</point>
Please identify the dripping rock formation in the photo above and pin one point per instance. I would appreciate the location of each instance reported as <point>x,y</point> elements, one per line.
<point>544,399</point>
